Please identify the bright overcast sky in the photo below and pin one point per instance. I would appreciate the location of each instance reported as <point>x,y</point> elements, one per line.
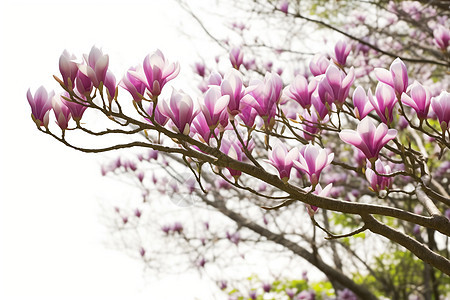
<point>50,236</point>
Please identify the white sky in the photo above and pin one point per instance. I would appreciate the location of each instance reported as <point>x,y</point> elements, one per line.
<point>50,234</point>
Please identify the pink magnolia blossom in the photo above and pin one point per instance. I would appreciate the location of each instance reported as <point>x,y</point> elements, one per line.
<point>233,150</point>
<point>41,104</point>
<point>157,72</point>
<point>341,51</point>
<point>368,138</point>
<point>76,109</point>
<point>110,84</point>
<point>396,77</point>
<point>214,79</point>
<point>248,115</point>
<point>83,84</point>
<point>265,95</point>
<point>441,107</point>
<point>310,124</point>
<point>312,160</point>
<point>213,105</point>
<point>441,37</point>
<point>200,68</point>
<point>134,86</point>
<point>232,86</point>
<point>319,64</point>
<point>361,103</point>
<point>283,5</point>
<point>180,110</point>
<point>236,57</point>
<point>320,108</point>
<point>283,160</point>
<point>159,117</point>
<point>420,99</point>
<point>62,112</point>
<point>68,68</point>
<point>95,66</point>
<point>335,85</point>
<point>201,127</point>
<point>300,90</point>
<point>379,182</point>
<point>384,102</point>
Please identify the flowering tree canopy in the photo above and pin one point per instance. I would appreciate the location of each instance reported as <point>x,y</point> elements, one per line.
<point>319,139</point>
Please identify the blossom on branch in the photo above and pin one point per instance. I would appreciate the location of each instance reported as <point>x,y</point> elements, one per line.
<point>368,138</point>
<point>157,72</point>
<point>95,66</point>
<point>68,68</point>
<point>335,86</point>
<point>341,51</point>
<point>378,182</point>
<point>62,112</point>
<point>41,104</point>
<point>396,77</point>
<point>312,160</point>
<point>283,160</point>
<point>213,105</point>
<point>384,102</point>
<point>180,110</point>
<point>134,86</point>
<point>300,90</point>
<point>420,99</point>
<point>441,107</point>
<point>361,103</point>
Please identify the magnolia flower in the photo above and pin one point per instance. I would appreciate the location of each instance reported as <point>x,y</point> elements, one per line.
<point>441,107</point>
<point>441,37</point>
<point>320,108</point>
<point>201,127</point>
<point>341,52</point>
<point>312,160</point>
<point>420,99</point>
<point>310,124</point>
<point>68,68</point>
<point>300,90</point>
<point>335,85</point>
<point>319,64</point>
<point>361,103</point>
<point>62,112</point>
<point>248,115</point>
<point>234,151</point>
<point>41,104</point>
<point>396,77</point>
<point>134,86</point>
<point>368,138</point>
<point>200,68</point>
<point>158,117</point>
<point>384,102</point>
<point>283,160</point>
<point>95,66</point>
<point>213,105</point>
<point>76,109</point>
<point>236,57</point>
<point>325,192</point>
<point>214,78</point>
<point>265,95</point>
<point>83,84</point>
<point>233,87</point>
<point>283,5</point>
<point>379,182</point>
<point>110,84</point>
<point>180,110</point>
<point>157,72</point>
